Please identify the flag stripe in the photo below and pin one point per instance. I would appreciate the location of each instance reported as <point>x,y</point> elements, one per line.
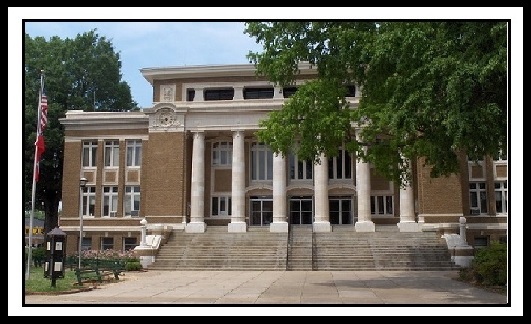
<point>44,112</point>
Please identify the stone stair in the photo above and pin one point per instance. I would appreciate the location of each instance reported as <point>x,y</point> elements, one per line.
<point>385,249</point>
<point>302,250</point>
<point>216,249</point>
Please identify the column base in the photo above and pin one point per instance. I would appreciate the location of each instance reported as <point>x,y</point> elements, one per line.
<point>195,227</point>
<point>278,227</point>
<point>322,227</point>
<point>409,227</point>
<point>237,227</point>
<point>365,227</point>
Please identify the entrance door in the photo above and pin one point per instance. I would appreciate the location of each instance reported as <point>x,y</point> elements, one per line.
<point>261,211</point>
<point>301,210</point>
<point>340,210</point>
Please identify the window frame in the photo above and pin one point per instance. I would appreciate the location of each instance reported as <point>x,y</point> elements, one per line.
<point>89,151</point>
<point>103,244</point>
<point>129,198</point>
<point>375,204</point>
<point>110,195</point>
<point>111,154</point>
<point>89,201</point>
<point>219,212</point>
<point>133,153</point>
<point>266,163</point>
<point>221,148</point>
<point>477,191</point>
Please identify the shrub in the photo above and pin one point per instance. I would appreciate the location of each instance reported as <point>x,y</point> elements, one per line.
<point>489,267</point>
<point>133,266</point>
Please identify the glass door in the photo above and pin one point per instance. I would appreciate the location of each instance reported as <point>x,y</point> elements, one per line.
<point>301,210</point>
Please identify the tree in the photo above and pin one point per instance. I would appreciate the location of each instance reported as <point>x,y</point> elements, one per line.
<point>81,73</point>
<point>428,89</point>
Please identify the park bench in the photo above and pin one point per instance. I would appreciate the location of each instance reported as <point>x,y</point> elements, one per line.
<point>97,269</point>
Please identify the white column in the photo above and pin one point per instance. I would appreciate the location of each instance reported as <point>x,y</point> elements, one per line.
<point>322,215</point>
<point>407,210</point>
<point>238,93</point>
<point>277,94</point>
<point>199,94</point>
<point>280,223</point>
<point>363,187</point>
<point>237,223</point>
<point>197,208</point>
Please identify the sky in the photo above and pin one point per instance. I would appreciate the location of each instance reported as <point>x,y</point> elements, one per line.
<point>205,36</point>
<point>148,44</point>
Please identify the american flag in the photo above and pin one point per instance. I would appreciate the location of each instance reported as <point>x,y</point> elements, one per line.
<point>44,111</point>
<point>40,137</point>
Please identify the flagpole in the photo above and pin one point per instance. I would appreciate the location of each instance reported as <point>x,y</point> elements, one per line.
<point>34,186</point>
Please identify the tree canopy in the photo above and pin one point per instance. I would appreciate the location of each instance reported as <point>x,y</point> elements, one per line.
<point>80,73</point>
<point>428,89</point>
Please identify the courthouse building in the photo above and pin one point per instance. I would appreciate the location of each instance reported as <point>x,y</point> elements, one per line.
<point>192,160</point>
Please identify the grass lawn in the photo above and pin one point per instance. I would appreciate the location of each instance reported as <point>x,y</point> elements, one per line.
<point>37,283</point>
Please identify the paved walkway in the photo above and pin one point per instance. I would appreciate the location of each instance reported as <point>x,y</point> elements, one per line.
<point>281,288</point>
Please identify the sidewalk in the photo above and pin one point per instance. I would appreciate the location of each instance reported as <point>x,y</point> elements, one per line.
<point>274,288</point>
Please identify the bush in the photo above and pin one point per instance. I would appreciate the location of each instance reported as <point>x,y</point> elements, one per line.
<point>133,266</point>
<point>489,267</point>
<point>38,255</point>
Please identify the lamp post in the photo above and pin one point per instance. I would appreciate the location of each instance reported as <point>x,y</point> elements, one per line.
<point>82,185</point>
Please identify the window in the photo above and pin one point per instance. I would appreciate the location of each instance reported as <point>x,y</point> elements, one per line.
<point>340,166</point>
<point>110,201</point>
<point>382,205</point>
<point>340,210</point>
<point>289,91</point>
<point>261,162</point>
<point>351,91</point>
<point>481,241</point>
<point>300,170</point>
<point>219,94</point>
<point>89,153</point>
<point>107,243</point>
<point>111,153</point>
<point>258,93</point>
<point>132,200</point>
<point>89,200</point>
<point>261,211</point>
<point>86,244</point>
<point>478,198</point>
<point>129,243</point>
<point>222,154</point>
<point>190,94</point>
<point>221,206</point>
<point>501,193</point>
<point>134,152</point>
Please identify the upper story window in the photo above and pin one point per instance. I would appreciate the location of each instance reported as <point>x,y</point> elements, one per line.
<point>89,153</point>
<point>501,192</point>
<point>351,91</point>
<point>261,162</point>
<point>258,93</point>
<point>300,169</point>
<point>190,94</point>
<point>222,154</point>
<point>340,166</point>
<point>112,151</point>
<point>219,94</point>
<point>134,152</point>
<point>289,91</point>
<point>382,205</point>
<point>478,198</point>
<point>89,200</point>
